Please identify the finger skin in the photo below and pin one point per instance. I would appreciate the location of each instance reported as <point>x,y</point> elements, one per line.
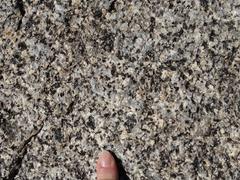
<point>106,167</point>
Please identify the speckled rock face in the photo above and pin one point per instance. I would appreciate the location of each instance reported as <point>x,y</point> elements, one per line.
<point>157,82</point>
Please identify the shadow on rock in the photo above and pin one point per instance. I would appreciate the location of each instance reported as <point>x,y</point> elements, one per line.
<point>122,173</point>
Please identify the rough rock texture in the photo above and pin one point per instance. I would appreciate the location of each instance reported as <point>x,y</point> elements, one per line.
<point>155,81</point>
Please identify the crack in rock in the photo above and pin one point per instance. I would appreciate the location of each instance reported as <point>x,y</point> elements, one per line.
<point>22,151</point>
<point>20,7</point>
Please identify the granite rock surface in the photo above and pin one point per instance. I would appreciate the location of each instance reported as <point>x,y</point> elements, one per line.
<point>155,81</point>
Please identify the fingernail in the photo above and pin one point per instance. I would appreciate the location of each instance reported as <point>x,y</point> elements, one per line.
<point>105,159</point>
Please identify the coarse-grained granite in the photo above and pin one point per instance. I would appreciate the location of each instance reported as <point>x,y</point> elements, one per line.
<point>155,81</point>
